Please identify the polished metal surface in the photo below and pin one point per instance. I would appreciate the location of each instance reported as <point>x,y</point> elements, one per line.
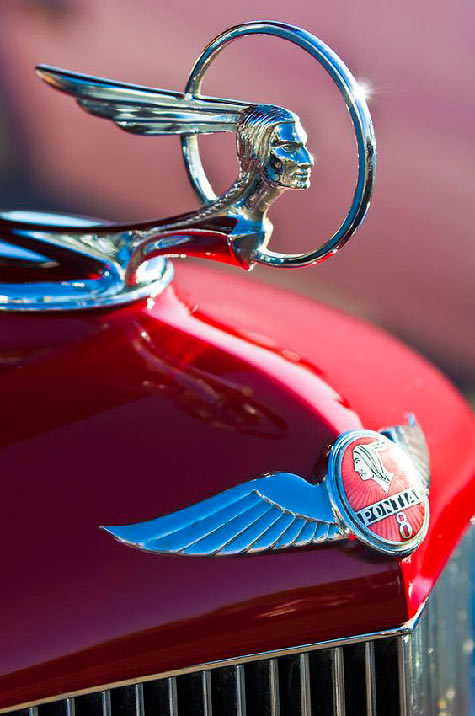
<point>279,511</point>
<point>305,700</point>
<point>370,681</point>
<point>207,702</point>
<point>419,669</point>
<point>172,696</point>
<point>106,703</point>
<point>43,241</point>
<point>410,438</point>
<point>120,263</point>
<point>338,665</point>
<point>139,704</point>
<point>359,112</point>
<point>440,653</point>
<point>274,687</point>
<point>270,513</point>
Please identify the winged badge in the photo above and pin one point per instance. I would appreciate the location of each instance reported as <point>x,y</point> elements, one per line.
<point>376,488</point>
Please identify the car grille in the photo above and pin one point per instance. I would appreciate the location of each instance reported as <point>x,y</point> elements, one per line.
<point>423,671</point>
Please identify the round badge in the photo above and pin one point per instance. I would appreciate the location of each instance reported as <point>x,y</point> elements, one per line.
<point>376,490</point>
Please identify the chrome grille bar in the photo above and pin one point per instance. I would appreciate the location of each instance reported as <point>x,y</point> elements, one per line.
<point>404,697</point>
<point>206,686</point>
<point>274,687</point>
<point>106,703</point>
<point>172,696</point>
<point>139,706</point>
<point>305,696</point>
<point>240,691</point>
<point>370,681</point>
<point>338,682</point>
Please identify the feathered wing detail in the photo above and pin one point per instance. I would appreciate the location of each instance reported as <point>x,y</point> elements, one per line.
<point>411,438</point>
<point>144,110</point>
<point>269,513</point>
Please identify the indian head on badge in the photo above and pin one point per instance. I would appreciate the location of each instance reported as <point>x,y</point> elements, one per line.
<point>378,490</point>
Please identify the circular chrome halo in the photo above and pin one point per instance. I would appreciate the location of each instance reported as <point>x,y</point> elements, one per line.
<point>347,512</point>
<point>361,118</point>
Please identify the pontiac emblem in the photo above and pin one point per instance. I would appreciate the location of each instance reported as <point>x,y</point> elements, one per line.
<point>376,488</point>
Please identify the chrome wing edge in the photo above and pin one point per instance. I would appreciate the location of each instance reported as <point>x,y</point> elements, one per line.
<point>411,439</point>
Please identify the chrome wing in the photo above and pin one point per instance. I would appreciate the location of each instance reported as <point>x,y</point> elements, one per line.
<point>145,110</point>
<point>274,512</point>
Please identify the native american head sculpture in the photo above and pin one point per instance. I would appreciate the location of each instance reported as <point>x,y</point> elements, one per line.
<point>271,143</point>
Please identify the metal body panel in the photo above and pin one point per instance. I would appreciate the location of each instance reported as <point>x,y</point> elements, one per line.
<point>170,402</point>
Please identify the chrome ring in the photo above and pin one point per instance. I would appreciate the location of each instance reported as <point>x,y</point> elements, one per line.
<point>360,116</point>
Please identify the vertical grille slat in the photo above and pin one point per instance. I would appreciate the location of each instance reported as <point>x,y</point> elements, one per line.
<point>240,691</point>
<point>206,686</point>
<point>370,679</point>
<point>338,682</point>
<point>106,703</point>
<point>305,697</point>
<point>405,708</point>
<point>172,697</point>
<point>274,687</point>
<point>139,707</point>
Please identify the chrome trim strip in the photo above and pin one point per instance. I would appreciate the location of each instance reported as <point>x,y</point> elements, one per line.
<point>70,707</point>
<point>274,687</point>
<point>240,691</point>
<point>172,696</point>
<point>338,682</point>
<point>403,665</point>
<point>305,696</point>
<point>139,707</point>
<point>207,703</point>
<point>106,703</point>
<point>33,711</point>
<point>370,679</point>
<point>406,628</point>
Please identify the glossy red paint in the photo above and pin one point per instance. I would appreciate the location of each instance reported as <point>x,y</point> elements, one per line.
<point>117,416</point>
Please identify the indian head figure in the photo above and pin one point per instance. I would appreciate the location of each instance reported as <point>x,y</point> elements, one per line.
<point>271,145</point>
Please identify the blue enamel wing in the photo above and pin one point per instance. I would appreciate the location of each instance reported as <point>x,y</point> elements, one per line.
<point>273,512</point>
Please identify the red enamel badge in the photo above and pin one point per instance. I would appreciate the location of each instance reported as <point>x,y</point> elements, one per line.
<point>377,491</point>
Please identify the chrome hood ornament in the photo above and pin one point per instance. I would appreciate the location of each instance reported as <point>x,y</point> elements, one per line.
<point>120,263</point>
<point>376,489</point>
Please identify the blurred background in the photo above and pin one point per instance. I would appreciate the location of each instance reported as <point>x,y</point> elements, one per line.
<point>411,267</point>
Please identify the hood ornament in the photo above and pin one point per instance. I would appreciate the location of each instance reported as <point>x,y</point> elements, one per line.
<point>376,488</point>
<point>101,264</point>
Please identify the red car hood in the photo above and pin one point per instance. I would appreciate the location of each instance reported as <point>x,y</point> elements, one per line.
<point>113,417</point>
